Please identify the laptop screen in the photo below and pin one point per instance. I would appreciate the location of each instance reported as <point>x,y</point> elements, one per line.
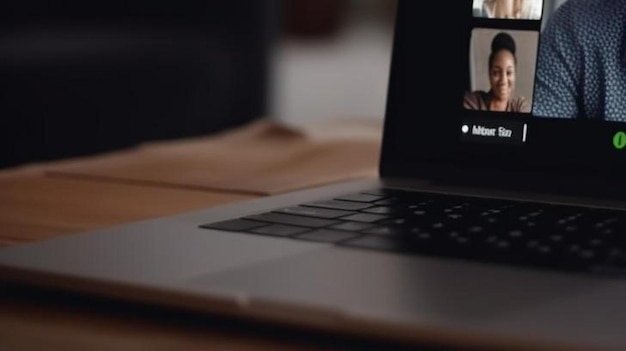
<point>511,85</point>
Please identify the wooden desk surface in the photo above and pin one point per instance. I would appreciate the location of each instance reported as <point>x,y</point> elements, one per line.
<point>60,198</point>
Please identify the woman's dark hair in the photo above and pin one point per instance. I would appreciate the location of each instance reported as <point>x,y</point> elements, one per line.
<point>502,41</point>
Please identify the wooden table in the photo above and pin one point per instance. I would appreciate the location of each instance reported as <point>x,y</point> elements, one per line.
<point>43,201</point>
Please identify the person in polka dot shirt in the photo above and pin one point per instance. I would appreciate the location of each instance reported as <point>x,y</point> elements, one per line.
<point>581,69</point>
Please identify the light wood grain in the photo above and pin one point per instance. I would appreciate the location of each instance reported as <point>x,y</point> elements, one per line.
<point>260,159</point>
<point>36,207</point>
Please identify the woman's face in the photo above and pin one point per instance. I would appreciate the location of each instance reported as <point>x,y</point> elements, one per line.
<point>502,75</point>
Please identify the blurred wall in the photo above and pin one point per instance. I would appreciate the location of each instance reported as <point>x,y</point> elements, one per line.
<point>335,66</point>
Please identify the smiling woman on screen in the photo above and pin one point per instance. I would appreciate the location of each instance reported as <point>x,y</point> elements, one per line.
<point>502,74</point>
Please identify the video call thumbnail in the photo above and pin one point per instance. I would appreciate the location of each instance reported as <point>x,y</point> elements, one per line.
<point>502,70</point>
<point>509,9</point>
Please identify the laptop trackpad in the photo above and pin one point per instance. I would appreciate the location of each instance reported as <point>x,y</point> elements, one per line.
<point>422,291</point>
<point>155,253</point>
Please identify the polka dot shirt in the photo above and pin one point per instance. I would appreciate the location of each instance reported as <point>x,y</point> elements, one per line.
<point>581,70</point>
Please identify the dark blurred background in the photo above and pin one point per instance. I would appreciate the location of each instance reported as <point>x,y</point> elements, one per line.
<point>83,77</point>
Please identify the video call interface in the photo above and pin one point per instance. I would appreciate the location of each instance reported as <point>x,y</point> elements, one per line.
<point>546,59</point>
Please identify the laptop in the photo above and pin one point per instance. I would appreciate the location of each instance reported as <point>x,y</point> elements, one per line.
<point>486,229</point>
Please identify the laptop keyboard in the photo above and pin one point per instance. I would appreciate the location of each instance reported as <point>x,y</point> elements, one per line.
<point>461,227</point>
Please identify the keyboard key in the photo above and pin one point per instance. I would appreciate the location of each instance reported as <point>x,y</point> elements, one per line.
<point>236,225</point>
<point>280,230</point>
<point>386,230</point>
<point>388,201</point>
<point>365,217</point>
<point>327,236</point>
<point>340,205</point>
<point>360,198</point>
<point>299,221</point>
<point>402,221</point>
<point>314,212</point>
<point>385,210</point>
<point>352,226</point>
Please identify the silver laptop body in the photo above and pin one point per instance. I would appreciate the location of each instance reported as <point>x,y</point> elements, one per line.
<point>175,262</point>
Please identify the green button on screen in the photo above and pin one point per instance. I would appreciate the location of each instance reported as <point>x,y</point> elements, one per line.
<point>619,140</point>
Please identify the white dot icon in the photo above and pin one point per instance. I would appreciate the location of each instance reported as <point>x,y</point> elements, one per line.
<point>465,129</point>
